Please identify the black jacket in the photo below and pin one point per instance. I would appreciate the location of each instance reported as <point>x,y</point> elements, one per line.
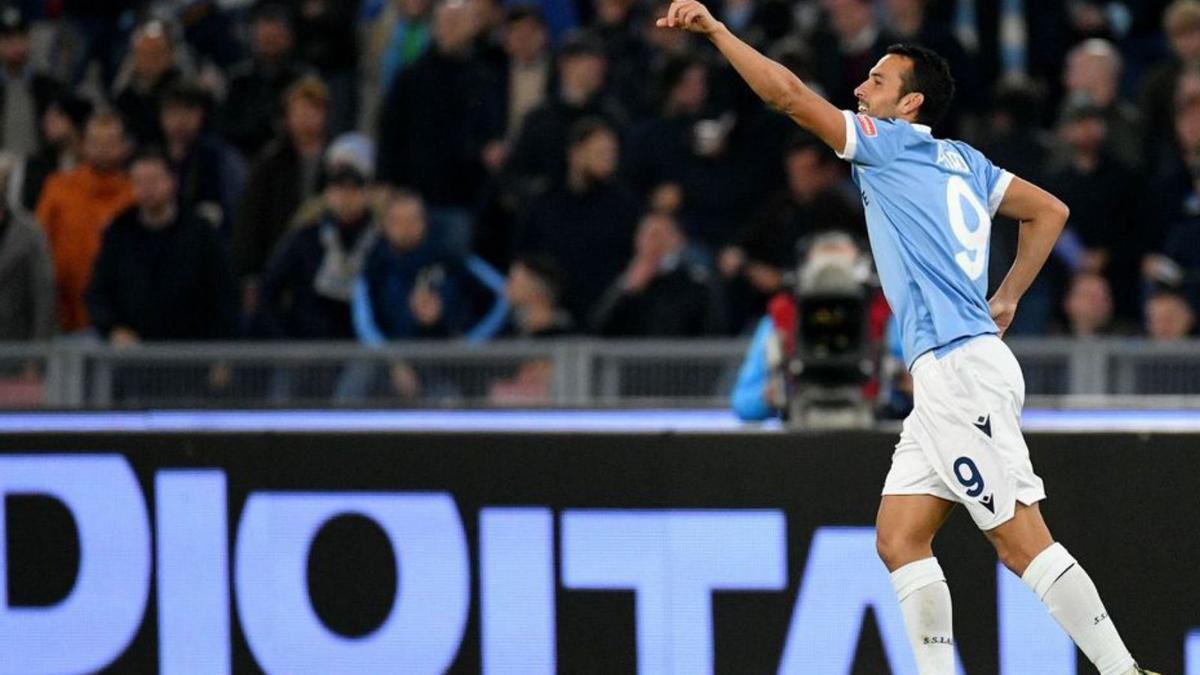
<point>589,234</point>
<point>211,177</point>
<point>290,305</point>
<point>772,235</point>
<point>168,284</point>
<point>270,199</point>
<point>683,301</point>
<point>141,110</point>
<point>434,123</point>
<point>255,106</point>
<point>539,156</point>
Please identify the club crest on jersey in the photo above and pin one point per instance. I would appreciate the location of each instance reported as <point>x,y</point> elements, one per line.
<point>949,158</point>
<point>867,125</point>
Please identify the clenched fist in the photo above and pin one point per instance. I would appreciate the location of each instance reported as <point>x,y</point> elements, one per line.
<point>689,15</point>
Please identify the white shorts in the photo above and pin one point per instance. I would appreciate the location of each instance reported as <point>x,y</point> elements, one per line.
<point>962,442</point>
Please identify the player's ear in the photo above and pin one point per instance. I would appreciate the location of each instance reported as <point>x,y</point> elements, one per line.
<point>911,102</point>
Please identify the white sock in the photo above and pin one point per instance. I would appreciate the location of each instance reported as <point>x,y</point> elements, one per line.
<point>925,602</point>
<point>1073,601</point>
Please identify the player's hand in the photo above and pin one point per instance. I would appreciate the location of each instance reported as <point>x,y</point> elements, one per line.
<point>1003,310</point>
<point>689,15</point>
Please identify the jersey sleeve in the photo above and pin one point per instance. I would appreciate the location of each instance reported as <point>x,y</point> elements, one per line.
<point>871,141</point>
<point>993,180</point>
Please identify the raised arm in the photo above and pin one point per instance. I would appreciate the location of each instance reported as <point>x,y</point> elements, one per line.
<point>774,84</point>
<point>1042,217</point>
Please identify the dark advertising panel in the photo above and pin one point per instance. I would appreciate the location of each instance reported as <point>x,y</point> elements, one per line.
<point>518,553</point>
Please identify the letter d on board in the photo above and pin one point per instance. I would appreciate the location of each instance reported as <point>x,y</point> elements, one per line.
<point>101,615</point>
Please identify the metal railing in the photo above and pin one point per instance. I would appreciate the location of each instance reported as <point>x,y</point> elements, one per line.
<point>561,373</point>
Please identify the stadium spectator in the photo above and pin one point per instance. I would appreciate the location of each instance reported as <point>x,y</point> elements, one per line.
<point>25,94</point>
<point>254,98</point>
<point>1016,142</point>
<point>1169,317</point>
<point>538,160</point>
<point>309,280</point>
<point>1093,71</point>
<point>27,307</point>
<point>766,248</point>
<point>660,294</point>
<point>525,82</point>
<point>850,46</point>
<point>529,71</point>
<point>327,37</point>
<point>393,40</point>
<point>62,130</point>
<point>587,223</point>
<point>286,174</point>
<point>210,29</point>
<point>660,147</point>
<point>97,27</point>
<point>209,173</point>
<point>1015,138</point>
<point>534,291</point>
<point>1181,22</point>
<point>726,169</point>
<point>490,18</point>
<point>1173,248</point>
<point>77,205</point>
<point>618,26</point>
<point>1088,307</point>
<point>153,71</point>
<point>411,288</point>
<point>162,272</point>
<point>1105,197</point>
<point>437,119</point>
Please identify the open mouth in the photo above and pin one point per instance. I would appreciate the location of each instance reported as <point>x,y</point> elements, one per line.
<point>862,107</point>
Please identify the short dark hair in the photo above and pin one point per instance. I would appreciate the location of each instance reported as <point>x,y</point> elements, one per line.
<point>187,94</point>
<point>274,11</point>
<point>581,42</point>
<point>152,154</point>
<point>929,76</point>
<point>522,12</point>
<point>547,270</point>
<point>583,130</point>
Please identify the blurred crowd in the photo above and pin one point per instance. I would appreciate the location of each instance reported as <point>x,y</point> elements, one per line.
<point>382,170</point>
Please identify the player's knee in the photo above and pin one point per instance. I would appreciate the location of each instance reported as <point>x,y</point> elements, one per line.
<point>897,550</point>
<point>1014,557</point>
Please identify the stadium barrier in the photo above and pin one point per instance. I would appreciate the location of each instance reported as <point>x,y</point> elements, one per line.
<point>558,373</point>
<point>574,553</point>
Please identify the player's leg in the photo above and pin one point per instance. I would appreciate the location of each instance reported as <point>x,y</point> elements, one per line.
<point>1025,546</point>
<point>905,528</point>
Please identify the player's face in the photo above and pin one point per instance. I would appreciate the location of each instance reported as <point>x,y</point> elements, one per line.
<point>880,95</point>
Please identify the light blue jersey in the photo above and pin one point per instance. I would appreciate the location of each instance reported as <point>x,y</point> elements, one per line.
<point>929,206</point>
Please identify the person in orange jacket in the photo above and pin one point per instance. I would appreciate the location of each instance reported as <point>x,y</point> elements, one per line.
<point>77,205</point>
